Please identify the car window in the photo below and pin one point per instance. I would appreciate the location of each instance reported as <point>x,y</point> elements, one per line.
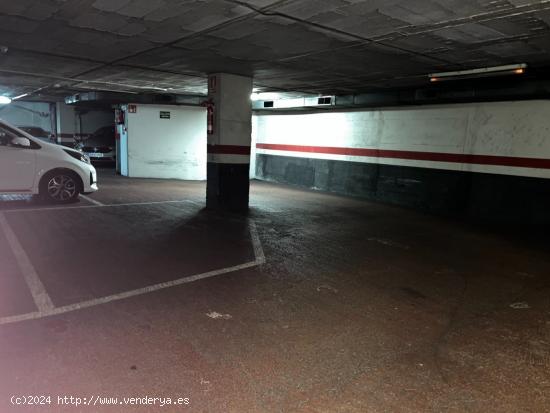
<point>102,137</point>
<point>12,132</point>
<point>105,139</point>
<point>7,134</point>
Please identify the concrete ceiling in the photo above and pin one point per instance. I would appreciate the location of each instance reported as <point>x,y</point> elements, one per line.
<point>315,46</point>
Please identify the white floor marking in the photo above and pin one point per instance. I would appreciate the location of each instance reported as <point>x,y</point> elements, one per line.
<point>39,293</point>
<point>259,260</point>
<point>93,201</point>
<point>98,206</point>
<point>256,243</point>
<point>126,294</point>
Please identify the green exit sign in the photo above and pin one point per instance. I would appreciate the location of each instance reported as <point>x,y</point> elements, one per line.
<point>164,114</point>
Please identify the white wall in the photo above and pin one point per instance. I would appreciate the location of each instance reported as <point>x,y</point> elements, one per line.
<point>166,148</point>
<point>252,172</point>
<point>503,129</point>
<point>20,113</point>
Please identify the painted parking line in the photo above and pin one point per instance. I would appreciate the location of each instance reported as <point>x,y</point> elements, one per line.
<point>257,244</point>
<point>47,312</point>
<point>57,208</point>
<point>93,201</point>
<point>39,294</point>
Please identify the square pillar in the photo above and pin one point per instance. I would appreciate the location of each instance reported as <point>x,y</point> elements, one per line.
<point>66,119</point>
<point>229,139</point>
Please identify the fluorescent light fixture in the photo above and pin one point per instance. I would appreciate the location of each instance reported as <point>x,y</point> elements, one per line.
<point>518,69</point>
<point>20,96</point>
<point>4,100</point>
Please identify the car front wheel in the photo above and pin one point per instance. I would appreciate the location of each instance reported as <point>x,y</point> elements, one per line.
<point>60,187</point>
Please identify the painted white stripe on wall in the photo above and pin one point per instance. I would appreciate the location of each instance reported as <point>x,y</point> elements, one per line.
<point>513,129</point>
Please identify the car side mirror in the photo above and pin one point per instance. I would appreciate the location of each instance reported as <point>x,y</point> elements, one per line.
<point>21,142</point>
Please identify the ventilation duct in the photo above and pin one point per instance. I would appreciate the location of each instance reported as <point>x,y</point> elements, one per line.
<point>116,98</point>
<point>295,103</point>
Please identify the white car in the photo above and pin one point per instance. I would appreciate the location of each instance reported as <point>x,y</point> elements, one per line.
<point>31,166</point>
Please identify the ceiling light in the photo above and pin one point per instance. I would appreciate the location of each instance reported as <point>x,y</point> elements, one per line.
<point>4,100</point>
<point>20,96</point>
<point>518,69</point>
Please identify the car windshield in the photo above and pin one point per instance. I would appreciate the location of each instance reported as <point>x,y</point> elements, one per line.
<point>101,137</point>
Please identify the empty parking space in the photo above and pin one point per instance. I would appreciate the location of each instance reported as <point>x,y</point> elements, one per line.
<point>378,296</point>
<point>16,297</point>
<point>236,206</point>
<point>107,250</point>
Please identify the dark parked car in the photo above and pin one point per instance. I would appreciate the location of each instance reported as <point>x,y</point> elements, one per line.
<point>37,132</point>
<point>100,145</point>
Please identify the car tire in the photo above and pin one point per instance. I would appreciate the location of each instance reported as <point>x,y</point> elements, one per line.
<point>60,187</point>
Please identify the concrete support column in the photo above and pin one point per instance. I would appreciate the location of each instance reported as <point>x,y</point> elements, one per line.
<point>65,124</point>
<point>229,136</point>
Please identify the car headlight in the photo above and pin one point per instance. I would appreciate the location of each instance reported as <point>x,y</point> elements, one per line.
<point>79,156</point>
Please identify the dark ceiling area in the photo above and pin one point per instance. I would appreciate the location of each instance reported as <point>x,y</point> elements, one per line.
<point>57,47</point>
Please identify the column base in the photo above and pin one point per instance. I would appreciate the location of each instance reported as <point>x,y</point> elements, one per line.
<point>228,186</point>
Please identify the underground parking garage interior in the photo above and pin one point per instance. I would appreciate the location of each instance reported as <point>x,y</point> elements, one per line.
<point>274,206</point>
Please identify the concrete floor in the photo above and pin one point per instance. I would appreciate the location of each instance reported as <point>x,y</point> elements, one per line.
<point>359,307</point>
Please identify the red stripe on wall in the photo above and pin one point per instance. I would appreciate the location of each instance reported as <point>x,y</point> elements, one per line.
<point>414,155</point>
<point>229,149</point>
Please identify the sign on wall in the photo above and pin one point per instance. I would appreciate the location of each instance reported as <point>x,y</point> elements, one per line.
<point>164,114</point>
<point>132,108</point>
